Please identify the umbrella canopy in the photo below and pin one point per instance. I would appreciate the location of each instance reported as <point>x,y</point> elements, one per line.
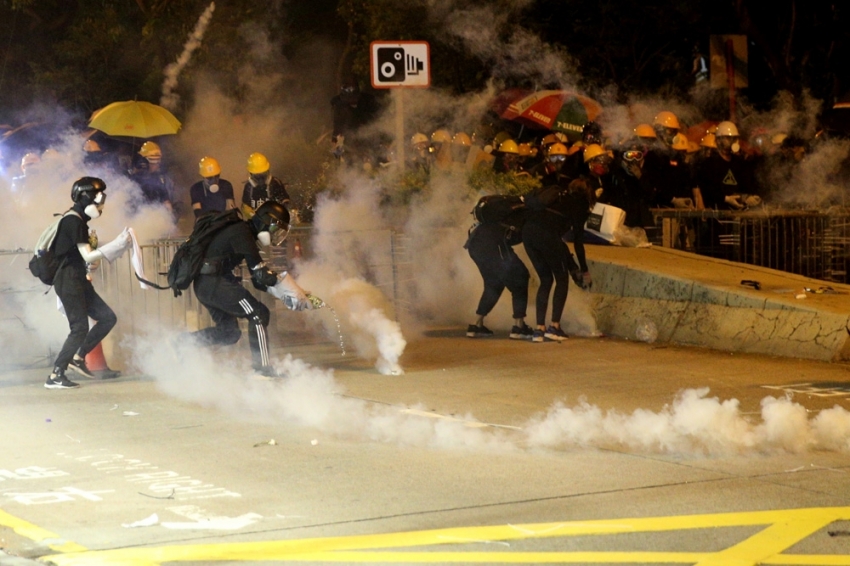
<point>557,110</point>
<point>136,119</point>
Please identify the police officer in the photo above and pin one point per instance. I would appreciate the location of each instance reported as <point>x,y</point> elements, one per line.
<point>261,186</point>
<point>211,193</point>
<point>73,249</point>
<point>223,294</point>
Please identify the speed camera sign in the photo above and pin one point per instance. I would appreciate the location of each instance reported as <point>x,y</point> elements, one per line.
<point>400,64</point>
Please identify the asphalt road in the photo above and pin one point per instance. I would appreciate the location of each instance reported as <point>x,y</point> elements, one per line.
<point>484,451</point>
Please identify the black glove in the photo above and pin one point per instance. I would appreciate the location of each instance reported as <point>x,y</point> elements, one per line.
<point>577,276</point>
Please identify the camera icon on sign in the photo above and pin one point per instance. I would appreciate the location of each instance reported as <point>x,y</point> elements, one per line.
<point>390,64</point>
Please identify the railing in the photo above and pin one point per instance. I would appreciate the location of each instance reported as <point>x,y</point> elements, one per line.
<point>810,243</point>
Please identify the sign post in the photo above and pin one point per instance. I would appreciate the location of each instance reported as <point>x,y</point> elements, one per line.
<point>399,65</point>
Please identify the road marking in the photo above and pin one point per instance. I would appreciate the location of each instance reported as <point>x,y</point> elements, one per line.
<point>809,389</point>
<point>783,529</point>
<point>37,534</point>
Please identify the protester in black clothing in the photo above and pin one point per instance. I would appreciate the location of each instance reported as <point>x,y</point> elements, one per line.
<point>261,187</point>
<point>549,171</point>
<point>628,190</point>
<point>725,180</point>
<point>212,193</point>
<point>552,212</point>
<point>156,185</point>
<point>73,249</point>
<point>491,248</point>
<point>218,289</point>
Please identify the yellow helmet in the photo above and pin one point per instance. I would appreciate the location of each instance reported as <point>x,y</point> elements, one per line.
<point>680,142</point>
<point>667,119</point>
<point>91,146</point>
<point>708,141</point>
<point>594,150</point>
<point>558,148</point>
<point>524,149</point>
<point>29,159</point>
<point>693,147</point>
<point>509,146</point>
<point>151,151</point>
<point>463,139</point>
<point>208,167</point>
<point>645,131</point>
<point>257,163</point>
<point>726,129</point>
<point>549,139</point>
<point>575,148</point>
<point>441,136</point>
<point>418,138</point>
<point>500,137</point>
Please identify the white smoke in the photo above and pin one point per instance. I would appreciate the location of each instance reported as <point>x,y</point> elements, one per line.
<point>172,72</point>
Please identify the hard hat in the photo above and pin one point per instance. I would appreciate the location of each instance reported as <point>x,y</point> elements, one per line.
<point>29,159</point>
<point>558,149</point>
<point>693,147</point>
<point>461,138</point>
<point>209,167</point>
<point>150,151</point>
<point>418,137</point>
<point>777,139</point>
<point>508,146</point>
<point>726,129</point>
<point>645,131</point>
<point>575,148</point>
<point>680,142</point>
<point>441,136</point>
<point>257,163</point>
<point>667,119</point>
<point>708,141</point>
<point>524,149</point>
<point>500,137</point>
<point>549,139</point>
<point>594,150</point>
<point>91,146</point>
<point>50,153</point>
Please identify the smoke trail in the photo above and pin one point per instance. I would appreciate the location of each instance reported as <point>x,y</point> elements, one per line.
<point>169,98</point>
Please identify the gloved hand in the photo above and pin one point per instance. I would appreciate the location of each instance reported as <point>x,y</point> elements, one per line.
<point>116,248</point>
<point>683,203</point>
<point>588,282</point>
<point>578,277</point>
<point>752,200</point>
<point>734,201</point>
<point>288,291</point>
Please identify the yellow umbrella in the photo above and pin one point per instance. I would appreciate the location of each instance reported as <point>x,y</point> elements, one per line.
<point>136,119</point>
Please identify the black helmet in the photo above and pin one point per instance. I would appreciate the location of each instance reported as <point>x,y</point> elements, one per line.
<point>591,133</point>
<point>85,189</point>
<point>271,217</point>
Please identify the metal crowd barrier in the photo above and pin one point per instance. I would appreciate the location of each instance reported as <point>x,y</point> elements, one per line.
<point>809,243</point>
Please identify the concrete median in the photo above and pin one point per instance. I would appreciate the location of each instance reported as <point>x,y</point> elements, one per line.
<point>697,300</point>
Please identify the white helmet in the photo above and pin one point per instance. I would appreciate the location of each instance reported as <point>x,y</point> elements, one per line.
<point>727,129</point>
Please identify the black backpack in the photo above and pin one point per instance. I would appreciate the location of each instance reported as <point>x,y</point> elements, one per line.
<point>500,209</point>
<point>44,264</point>
<point>189,257</point>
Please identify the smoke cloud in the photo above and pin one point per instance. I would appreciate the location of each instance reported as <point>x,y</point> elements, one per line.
<point>169,98</point>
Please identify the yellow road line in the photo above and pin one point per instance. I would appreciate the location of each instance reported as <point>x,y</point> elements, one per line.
<point>37,534</point>
<point>784,528</point>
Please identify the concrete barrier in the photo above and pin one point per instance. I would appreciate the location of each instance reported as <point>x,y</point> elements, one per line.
<point>697,300</point>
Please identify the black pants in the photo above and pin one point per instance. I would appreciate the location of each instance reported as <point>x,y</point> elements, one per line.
<point>227,300</point>
<point>552,261</point>
<point>500,267</point>
<point>81,302</point>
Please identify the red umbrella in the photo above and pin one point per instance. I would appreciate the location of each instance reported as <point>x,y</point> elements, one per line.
<point>557,110</point>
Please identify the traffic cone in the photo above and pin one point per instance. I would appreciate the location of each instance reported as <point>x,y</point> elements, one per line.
<point>95,360</point>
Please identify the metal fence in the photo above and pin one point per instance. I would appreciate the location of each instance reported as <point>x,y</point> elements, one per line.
<point>810,243</point>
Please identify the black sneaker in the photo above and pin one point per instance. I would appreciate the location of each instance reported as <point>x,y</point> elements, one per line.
<point>538,336</point>
<point>59,382</point>
<point>79,366</point>
<point>524,332</point>
<point>107,373</point>
<point>474,331</point>
<point>555,334</point>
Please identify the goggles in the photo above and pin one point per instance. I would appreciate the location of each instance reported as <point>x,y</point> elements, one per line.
<point>99,198</point>
<point>557,158</point>
<point>347,89</point>
<point>633,155</point>
<point>278,233</point>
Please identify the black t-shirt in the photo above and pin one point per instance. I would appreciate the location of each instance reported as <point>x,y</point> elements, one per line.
<point>232,245</point>
<point>211,202</point>
<point>72,230</point>
<point>718,178</point>
<point>256,196</point>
